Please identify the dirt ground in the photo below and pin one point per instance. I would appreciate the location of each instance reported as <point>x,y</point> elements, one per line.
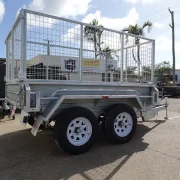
<point>153,153</point>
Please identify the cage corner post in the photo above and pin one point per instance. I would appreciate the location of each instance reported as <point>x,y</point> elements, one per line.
<point>7,61</point>
<point>81,54</point>
<point>23,44</point>
<point>153,62</point>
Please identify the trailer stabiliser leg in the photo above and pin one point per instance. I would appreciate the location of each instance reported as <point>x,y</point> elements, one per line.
<point>166,106</point>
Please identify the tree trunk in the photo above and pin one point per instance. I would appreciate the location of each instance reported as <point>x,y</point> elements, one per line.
<point>95,46</point>
<point>137,40</point>
<point>134,55</point>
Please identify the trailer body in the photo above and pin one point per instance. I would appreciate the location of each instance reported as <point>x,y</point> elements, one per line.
<point>55,64</point>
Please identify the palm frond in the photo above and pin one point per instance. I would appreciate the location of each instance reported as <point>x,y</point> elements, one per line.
<point>147,24</point>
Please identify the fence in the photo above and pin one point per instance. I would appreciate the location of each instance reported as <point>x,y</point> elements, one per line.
<point>45,47</point>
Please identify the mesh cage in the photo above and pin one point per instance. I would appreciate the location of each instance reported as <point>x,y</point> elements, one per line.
<point>17,50</point>
<point>9,57</point>
<point>137,61</point>
<point>65,50</point>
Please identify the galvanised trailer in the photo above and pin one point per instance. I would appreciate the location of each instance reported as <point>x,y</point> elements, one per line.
<point>78,75</point>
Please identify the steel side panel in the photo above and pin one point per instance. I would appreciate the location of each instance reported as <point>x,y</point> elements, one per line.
<point>48,90</point>
<point>12,91</point>
<point>97,105</point>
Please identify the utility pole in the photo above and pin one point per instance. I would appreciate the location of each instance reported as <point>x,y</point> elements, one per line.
<point>173,43</point>
<point>48,46</point>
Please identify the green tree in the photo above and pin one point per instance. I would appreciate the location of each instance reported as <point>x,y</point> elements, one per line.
<point>106,53</point>
<point>163,69</point>
<point>139,31</point>
<point>94,35</point>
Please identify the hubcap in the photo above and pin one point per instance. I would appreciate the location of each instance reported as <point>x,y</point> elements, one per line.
<point>123,124</point>
<point>79,131</point>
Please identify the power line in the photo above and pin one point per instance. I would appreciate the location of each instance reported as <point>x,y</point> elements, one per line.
<point>159,18</point>
<point>156,18</point>
<point>154,13</point>
<point>159,31</point>
<point>162,30</point>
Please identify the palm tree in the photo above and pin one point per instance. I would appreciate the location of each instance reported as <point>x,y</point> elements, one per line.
<point>106,53</point>
<point>94,35</point>
<point>139,31</point>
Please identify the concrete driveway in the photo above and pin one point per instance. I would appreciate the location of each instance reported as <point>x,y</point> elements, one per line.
<point>154,153</point>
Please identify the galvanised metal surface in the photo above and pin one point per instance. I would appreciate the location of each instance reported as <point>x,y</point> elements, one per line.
<point>60,63</point>
<point>45,47</point>
<point>51,93</point>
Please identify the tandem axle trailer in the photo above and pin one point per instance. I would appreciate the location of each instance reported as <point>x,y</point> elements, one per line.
<point>55,72</point>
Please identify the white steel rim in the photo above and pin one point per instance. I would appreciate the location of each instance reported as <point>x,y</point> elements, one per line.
<point>79,131</point>
<point>123,124</point>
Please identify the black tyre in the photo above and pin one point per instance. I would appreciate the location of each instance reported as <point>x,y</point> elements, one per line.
<point>75,130</point>
<point>120,124</point>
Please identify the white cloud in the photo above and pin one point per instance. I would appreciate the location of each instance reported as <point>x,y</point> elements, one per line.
<point>141,1</point>
<point>164,50</point>
<point>159,25</point>
<point>2,10</point>
<point>163,43</point>
<point>63,8</point>
<point>113,23</point>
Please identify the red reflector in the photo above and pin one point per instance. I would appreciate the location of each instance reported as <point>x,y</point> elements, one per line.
<point>104,97</point>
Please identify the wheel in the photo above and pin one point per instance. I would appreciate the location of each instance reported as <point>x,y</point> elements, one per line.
<point>120,124</point>
<point>75,130</point>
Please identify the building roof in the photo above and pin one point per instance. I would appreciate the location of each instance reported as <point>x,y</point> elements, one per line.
<point>2,60</point>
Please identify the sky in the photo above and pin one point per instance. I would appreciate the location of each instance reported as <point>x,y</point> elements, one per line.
<point>114,14</point>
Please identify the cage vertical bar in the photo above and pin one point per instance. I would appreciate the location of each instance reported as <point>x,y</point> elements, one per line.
<point>23,45</point>
<point>81,53</point>
<point>12,67</point>
<point>25,40</point>
<point>7,61</point>
<point>122,56</point>
<point>153,62</point>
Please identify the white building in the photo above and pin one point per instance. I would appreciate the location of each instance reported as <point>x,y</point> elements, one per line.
<point>68,68</point>
<point>177,73</point>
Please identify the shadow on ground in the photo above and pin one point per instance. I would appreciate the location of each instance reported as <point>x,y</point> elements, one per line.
<point>24,157</point>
